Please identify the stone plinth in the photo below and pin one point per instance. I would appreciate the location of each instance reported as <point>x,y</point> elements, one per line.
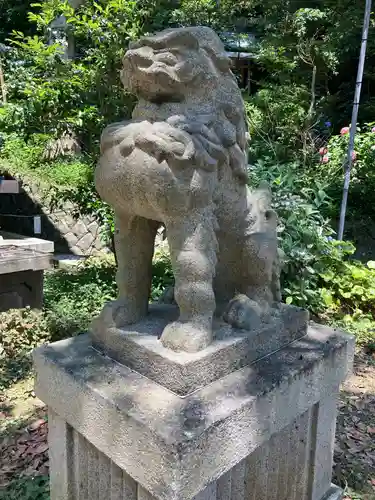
<point>262,432</point>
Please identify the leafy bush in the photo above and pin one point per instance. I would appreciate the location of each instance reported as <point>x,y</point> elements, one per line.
<point>20,332</point>
<point>19,157</point>
<point>28,488</point>
<point>305,235</point>
<point>277,116</point>
<point>71,300</point>
<point>317,272</point>
<point>50,95</point>
<point>353,290</point>
<point>334,159</point>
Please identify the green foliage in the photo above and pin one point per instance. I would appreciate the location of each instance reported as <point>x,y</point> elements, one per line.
<point>318,272</point>
<point>362,180</point>
<point>82,95</point>
<point>14,15</point>
<point>27,488</point>
<point>305,236</point>
<point>71,299</point>
<point>162,274</point>
<point>19,157</point>
<point>20,331</point>
<point>277,118</point>
<point>353,290</point>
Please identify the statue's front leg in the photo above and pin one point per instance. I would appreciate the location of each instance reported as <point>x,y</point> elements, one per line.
<point>192,242</point>
<point>134,243</point>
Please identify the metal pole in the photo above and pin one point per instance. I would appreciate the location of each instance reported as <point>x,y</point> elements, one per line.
<point>353,126</point>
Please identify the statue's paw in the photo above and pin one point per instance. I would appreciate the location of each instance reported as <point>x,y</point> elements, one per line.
<point>186,336</point>
<point>244,313</point>
<point>116,314</point>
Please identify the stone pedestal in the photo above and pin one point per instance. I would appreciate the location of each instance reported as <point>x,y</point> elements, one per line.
<point>22,264</point>
<point>259,429</point>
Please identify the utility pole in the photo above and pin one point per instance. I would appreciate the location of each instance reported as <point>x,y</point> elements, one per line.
<point>353,126</point>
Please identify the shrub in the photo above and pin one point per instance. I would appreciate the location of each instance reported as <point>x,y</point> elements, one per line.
<point>318,272</point>
<point>28,488</point>
<point>20,332</point>
<point>362,182</point>
<point>353,290</point>
<point>162,274</point>
<point>305,235</point>
<point>20,157</point>
<point>73,298</point>
<point>278,125</point>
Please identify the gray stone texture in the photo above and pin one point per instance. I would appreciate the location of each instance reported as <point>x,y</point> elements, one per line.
<point>37,244</point>
<point>263,432</point>
<point>81,237</point>
<point>21,289</point>
<point>139,347</point>
<point>236,401</point>
<point>22,263</point>
<point>182,161</point>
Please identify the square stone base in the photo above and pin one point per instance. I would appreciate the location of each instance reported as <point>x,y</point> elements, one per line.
<point>21,289</point>
<point>263,432</point>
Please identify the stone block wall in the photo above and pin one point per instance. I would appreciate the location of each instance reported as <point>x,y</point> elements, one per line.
<point>70,235</point>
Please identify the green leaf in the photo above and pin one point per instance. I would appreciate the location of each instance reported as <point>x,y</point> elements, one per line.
<point>289,300</point>
<point>358,273</point>
<point>371,264</point>
<point>357,290</point>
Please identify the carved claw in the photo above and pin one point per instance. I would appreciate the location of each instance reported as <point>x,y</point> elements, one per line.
<point>244,313</point>
<point>186,336</point>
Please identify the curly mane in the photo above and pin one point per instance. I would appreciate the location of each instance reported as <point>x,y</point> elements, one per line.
<point>191,73</point>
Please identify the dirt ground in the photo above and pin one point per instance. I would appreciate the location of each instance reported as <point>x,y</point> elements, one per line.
<point>24,429</point>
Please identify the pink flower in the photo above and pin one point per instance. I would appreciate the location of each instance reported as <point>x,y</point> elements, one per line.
<point>344,130</point>
<point>323,151</point>
<point>373,129</point>
<point>354,155</point>
<point>325,159</point>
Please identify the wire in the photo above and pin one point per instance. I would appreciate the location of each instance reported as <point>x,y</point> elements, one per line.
<point>32,216</point>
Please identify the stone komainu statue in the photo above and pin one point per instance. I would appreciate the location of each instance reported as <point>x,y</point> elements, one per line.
<point>182,161</point>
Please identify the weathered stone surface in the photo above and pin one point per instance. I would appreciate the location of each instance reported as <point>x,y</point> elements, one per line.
<point>93,228</point>
<point>79,229</point>
<point>22,262</point>
<point>182,161</point>
<point>57,221</point>
<point>175,447</point>
<point>139,348</point>
<point>85,242</point>
<point>38,244</point>
<point>21,289</point>
<point>15,259</point>
<point>70,238</point>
